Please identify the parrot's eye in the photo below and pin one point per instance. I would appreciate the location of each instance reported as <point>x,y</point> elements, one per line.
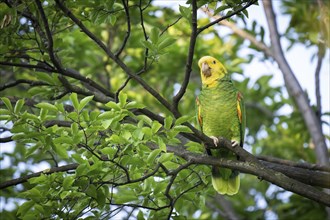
<point>214,62</point>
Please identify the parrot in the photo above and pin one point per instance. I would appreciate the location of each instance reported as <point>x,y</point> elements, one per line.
<point>221,113</point>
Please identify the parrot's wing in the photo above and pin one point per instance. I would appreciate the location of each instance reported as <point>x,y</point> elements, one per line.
<point>198,114</point>
<point>241,115</point>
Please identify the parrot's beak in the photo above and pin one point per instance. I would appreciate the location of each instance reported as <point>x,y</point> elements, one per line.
<point>206,70</point>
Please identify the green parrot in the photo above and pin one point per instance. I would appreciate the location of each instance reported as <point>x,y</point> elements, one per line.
<point>221,113</point>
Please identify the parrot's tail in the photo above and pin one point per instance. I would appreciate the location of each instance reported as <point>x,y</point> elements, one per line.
<point>225,181</point>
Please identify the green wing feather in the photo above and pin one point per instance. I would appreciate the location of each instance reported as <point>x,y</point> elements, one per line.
<point>241,116</point>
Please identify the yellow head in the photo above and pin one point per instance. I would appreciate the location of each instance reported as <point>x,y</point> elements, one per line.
<point>211,70</point>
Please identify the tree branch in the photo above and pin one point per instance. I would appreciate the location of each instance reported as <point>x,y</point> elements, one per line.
<point>254,167</point>
<point>193,37</point>
<point>248,4</point>
<point>24,179</point>
<point>228,211</point>
<point>22,81</point>
<point>251,165</point>
<point>128,32</point>
<point>320,57</point>
<point>119,62</point>
<point>294,88</point>
<point>243,34</point>
<point>290,163</point>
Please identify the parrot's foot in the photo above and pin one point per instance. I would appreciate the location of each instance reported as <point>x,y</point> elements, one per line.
<point>234,143</point>
<point>215,140</point>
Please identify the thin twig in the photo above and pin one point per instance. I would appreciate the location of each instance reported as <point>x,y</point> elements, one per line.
<point>128,32</point>
<point>22,81</point>
<point>193,37</point>
<point>242,33</point>
<point>119,62</point>
<point>248,4</point>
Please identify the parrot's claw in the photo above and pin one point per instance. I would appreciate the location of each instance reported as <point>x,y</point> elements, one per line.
<point>215,140</point>
<point>234,143</point>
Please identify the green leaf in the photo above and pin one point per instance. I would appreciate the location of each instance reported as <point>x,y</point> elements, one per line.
<point>154,35</point>
<point>43,114</point>
<point>117,139</point>
<point>26,206</point>
<point>29,116</point>
<point>44,77</point>
<point>134,104</point>
<point>147,132</point>
<point>168,122</point>
<point>182,119</point>
<point>140,216</point>
<point>47,106</point>
<point>38,179</point>
<point>122,99</point>
<point>91,191</point>
<point>100,197</point>
<point>18,106</point>
<point>110,151</point>
<point>34,194</point>
<point>112,19</point>
<point>246,13</point>
<point>185,12</point>
<point>7,103</point>
<point>78,158</point>
<point>165,43</point>
<point>106,115</point>
<point>220,9</point>
<point>155,126</point>
<point>113,105</point>
<point>147,44</point>
<point>67,182</point>
<point>144,119</point>
<point>82,169</point>
<point>125,196</point>
<point>74,128</point>
<point>153,155</point>
<point>165,157</point>
<point>4,112</point>
<point>182,128</point>
<point>161,144</point>
<point>60,149</point>
<point>74,100</point>
<point>193,146</point>
<point>84,102</point>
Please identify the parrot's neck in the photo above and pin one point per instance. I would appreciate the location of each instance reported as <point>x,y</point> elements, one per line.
<point>226,80</point>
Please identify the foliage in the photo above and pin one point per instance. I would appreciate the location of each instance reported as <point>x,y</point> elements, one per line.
<point>87,90</point>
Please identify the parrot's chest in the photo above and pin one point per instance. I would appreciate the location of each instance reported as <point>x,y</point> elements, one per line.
<point>218,112</point>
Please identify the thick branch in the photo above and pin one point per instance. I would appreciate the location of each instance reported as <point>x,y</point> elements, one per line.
<point>294,88</point>
<point>290,163</point>
<point>263,170</point>
<point>254,167</point>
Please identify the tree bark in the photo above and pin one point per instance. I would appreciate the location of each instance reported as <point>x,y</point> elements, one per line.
<point>294,88</point>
